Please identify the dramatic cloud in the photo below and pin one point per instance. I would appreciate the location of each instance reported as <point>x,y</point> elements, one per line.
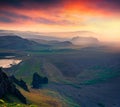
<point>61,15</point>
<point>106,5</point>
<point>13,15</point>
<point>5,20</point>
<point>28,3</point>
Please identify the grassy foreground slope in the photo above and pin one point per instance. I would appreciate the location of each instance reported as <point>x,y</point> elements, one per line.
<point>48,98</point>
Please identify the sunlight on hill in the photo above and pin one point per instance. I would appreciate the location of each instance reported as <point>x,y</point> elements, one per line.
<point>40,99</point>
<point>47,98</point>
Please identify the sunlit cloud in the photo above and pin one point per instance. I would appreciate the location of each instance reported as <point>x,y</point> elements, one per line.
<point>100,16</point>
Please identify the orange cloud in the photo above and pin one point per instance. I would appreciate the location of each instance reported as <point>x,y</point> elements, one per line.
<point>61,15</point>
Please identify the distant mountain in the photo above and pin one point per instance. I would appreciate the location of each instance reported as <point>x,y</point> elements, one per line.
<point>42,41</point>
<point>31,35</point>
<point>54,42</point>
<point>49,36</point>
<point>63,44</point>
<point>84,40</point>
<point>18,43</point>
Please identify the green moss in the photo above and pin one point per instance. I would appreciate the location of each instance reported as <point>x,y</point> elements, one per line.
<point>4,104</point>
<point>2,101</point>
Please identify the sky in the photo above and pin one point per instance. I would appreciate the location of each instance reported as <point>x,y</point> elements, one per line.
<point>99,16</point>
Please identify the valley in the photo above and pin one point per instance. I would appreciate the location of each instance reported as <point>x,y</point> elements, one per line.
<point>77,77</point>
<point>59,53</point>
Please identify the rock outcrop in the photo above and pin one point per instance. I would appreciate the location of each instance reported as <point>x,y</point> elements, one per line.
<point>38,81</point>
<point>20,83</point>
<point>7,87</point>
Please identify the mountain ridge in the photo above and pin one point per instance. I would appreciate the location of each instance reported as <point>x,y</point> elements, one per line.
<point>79,40</point>
<point>18,43</point>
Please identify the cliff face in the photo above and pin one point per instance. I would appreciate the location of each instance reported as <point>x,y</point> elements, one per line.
<point>20,83</point>
<point>7,87</point>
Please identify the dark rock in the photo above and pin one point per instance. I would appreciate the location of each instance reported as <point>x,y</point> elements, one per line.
<point>7,87</point>
<point>20,83</point>
<point>38,81</point>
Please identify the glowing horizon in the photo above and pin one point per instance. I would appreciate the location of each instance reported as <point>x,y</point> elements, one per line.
<point>99,16</point>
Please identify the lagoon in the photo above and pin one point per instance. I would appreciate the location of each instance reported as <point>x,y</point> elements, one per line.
<point>7,63</point>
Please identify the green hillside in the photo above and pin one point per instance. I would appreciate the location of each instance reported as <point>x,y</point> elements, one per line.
<point>70,74</point>
<point>5,104</point>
